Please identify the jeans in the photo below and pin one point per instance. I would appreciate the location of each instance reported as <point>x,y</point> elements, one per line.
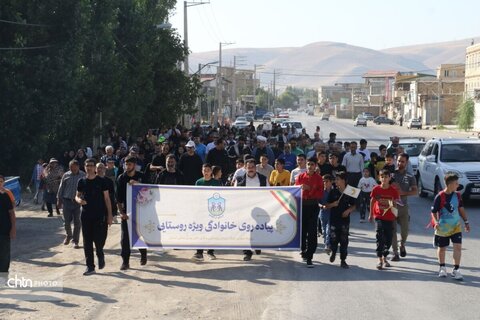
<point>4,253</point>
<point>384,231</point>
<point>93,231</point>
<point>309,228</point>
<point>125,244</point>
<point>364,203</point>
<point>339,235</point>
<point>403,220</point>
<point>71,212</point>
<point>325,220</point>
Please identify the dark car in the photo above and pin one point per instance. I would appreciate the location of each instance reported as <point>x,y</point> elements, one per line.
<point>383,119</point>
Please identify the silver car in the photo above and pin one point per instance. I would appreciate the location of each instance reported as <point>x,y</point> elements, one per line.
<point>360,121</point>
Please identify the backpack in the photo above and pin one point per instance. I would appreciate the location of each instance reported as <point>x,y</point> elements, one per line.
<point>443,201</point>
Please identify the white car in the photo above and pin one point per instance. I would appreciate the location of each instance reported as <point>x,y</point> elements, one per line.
<point>360,121</point>
<point>460,156</point>
<point>414,123</point>
<point>298,125</point>
<point>241,123</point>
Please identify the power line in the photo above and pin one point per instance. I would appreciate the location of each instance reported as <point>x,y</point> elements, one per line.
<point>24,23</point>
<point>25,48</point>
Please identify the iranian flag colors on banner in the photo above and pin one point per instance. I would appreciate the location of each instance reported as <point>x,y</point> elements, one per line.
<point>194,217</point>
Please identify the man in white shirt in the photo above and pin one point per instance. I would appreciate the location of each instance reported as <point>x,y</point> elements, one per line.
<point>301,168</point>
<point>353,162</point>
<point>251,179</point>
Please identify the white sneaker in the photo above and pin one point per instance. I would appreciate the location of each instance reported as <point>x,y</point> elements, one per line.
<point>456,274</point>
<point>442,273</point>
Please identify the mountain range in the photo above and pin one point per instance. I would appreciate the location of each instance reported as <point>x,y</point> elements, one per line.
<point>327,63</point>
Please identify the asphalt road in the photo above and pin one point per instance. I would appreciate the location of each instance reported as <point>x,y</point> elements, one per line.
<point>274,285</point>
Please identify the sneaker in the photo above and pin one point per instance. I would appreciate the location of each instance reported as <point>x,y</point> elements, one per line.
<point>258,251</point>
<point>304,257</point>
<point>247,257</point>
<point>442,273</point>
<point>124,266</point>
<point>197,257</point>
<point>89,271</point>
<point>344,265</point>
<point>143,260</point>
<point>395,257</point>
<point>101,263</point>
<point>456,274</point>
<point>386,264</point>
<point>309,263</point>
<point>75,245</point>
<point>379,266</point>
<point>67,240</point>
<point>403,251</point>
<point>211,256</point>
<point>50,215</point>
<point>333,256</point>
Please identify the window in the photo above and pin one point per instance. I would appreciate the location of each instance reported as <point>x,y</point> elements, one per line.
<point>461,152</point>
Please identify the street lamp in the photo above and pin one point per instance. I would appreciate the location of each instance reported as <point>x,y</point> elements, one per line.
<point>187,4</point>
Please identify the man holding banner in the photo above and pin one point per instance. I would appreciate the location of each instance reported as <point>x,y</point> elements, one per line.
<point>251,179</point>
<point>341,201</point>
<point>130,176</point>
<point>312,192</point>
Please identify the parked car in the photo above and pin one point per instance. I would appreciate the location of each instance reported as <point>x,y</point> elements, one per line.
<point>283,114</point>
<point>412,147</point>
<point>414,123</point>
<point>298,125</point>
<point>241,122</point>
<point>13,184</point>
<point>460,156</point>
<point>367,115</point>
<point>383,119</point>
<point>360,121</point>
<point>249,117</point>
<point>326,116</point>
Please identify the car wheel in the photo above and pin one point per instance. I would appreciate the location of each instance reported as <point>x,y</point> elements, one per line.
<point>437,187</point>
<point>421,191</point>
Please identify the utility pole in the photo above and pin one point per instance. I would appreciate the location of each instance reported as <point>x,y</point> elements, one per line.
<point>274,89</point>
<point>220,81</point>
<point>187,4</point>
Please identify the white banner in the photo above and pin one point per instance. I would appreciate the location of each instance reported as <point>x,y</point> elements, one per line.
<point>214,217</point>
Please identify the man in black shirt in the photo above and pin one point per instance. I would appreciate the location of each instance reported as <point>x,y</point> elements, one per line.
<point>171,176</point>
<point>218,157</point>
<point>7,227</point>
<point>190,164</point>
<point>336,166</point>
<point>130,176</point>
<point>92,194</point>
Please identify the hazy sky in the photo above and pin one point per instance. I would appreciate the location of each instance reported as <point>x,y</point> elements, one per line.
<point>375,24</point>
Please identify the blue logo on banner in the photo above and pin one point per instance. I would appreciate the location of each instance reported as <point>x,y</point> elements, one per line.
<point>216,206</point>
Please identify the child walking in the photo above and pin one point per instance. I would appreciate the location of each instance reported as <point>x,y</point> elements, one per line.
<point>382,210</point>
<point>447,210</point>
<point>366,184</point>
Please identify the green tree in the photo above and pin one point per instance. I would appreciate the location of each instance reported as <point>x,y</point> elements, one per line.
<point>287,99</point>
<point>465,115</point>
<point>90,57</point>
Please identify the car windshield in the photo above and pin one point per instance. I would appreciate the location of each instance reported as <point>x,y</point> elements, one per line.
<point>413,149</point>
<point>241,119</point>
<point>466,152</point>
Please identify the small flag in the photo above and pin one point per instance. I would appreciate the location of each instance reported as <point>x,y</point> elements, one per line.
<point>352,191</point>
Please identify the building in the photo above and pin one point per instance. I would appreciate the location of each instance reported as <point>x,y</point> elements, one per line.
<point>433,99</point>
<point>472,79</point>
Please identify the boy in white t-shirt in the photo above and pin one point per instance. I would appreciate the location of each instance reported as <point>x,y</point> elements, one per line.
<point>366,184</point>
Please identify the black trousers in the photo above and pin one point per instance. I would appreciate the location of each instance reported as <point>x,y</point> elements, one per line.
<point>125,244</point>
<point>339,236</point>
<point>364,203</point>
<point>353,178</point>
<point>94,232</point>
<point>384,234</point>
<point>309,242</point>
<point>4,253</point>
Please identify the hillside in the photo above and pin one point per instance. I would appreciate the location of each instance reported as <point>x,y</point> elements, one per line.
<point>324,63</point>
